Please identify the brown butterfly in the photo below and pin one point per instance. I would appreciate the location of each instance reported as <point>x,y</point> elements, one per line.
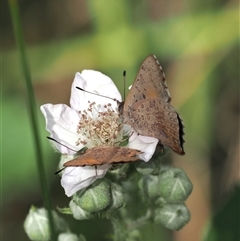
<point>100,155</point>
<point>147,107</point>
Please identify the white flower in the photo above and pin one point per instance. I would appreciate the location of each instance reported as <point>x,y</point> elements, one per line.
<point>91,120</point>
<point>62,121</point>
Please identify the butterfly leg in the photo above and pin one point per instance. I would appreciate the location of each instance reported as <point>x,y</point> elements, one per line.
<point>96,170</point>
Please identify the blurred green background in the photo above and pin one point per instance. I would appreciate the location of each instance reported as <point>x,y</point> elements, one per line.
<point>197,44</point>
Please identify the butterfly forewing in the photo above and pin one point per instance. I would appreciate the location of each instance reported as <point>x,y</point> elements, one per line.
<point>150,78</point>
<point>149,83</point>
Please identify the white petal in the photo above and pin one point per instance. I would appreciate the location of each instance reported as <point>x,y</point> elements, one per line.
<point>95,82</point>
<point>77,178</point>
<point>61,123</point>
<point>144,143</point>
<point>78,99</point>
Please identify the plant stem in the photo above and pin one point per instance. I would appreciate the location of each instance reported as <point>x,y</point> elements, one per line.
<point>13,5</point>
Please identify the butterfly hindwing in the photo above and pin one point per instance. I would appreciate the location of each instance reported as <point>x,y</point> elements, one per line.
<point>159,120</point>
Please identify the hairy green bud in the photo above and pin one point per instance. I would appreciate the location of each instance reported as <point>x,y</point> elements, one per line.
<point>172,216</point>
<point>94,198</point>
<point>149,186</point>
<point>117,197</point>
<point>150,167</point>
<point>174,185</point>
<point>78,213</point>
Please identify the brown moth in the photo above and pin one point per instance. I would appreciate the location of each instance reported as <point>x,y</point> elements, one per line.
<point>100,155</point>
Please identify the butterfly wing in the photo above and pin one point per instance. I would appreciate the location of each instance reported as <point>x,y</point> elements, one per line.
<point>105,154</point>
<point>147,107</point>
<point>159,119</point>
<point>149,83</point>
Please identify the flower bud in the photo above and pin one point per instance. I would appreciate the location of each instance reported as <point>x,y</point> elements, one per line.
<point>78,213</point>
<point>150,167</point>
<point>117,197</point>
<point>94,198</point>
<point>68,237</point>
<point>174,185</point>
<point>173,216</point>
<point>149,186</point>
<point>36,224</point>
<point>134,235</point>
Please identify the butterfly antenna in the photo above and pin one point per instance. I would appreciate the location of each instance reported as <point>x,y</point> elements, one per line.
<point>124,85</point>
<point>59,170</point>
<point>50,138</point>
<point>98,94</point>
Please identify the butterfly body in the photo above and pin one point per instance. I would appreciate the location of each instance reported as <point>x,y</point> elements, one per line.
<point>147,107</point>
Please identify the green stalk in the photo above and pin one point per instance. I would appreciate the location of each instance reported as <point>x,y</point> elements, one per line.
<point>13,5</point>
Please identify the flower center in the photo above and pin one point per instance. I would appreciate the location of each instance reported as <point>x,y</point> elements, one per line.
<point>99,125</point>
